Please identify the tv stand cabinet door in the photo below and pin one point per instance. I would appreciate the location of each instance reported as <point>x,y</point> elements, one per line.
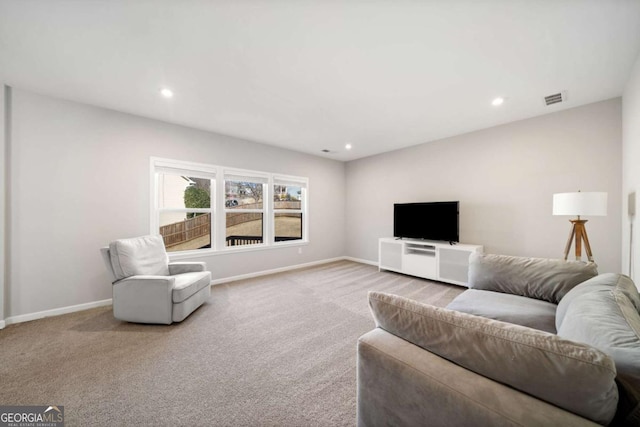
<point>390,255</point>
<point>421,265</point>
<point>454,265</point>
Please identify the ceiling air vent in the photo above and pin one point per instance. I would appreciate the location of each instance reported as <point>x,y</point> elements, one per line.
<point>555,98</point>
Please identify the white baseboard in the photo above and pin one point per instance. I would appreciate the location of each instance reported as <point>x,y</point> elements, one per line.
<point>361,261</point>
<point>54,312</point>
<point>73,308</point>
<point>272,271</point>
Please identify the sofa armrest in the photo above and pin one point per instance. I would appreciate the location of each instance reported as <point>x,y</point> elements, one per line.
<point>402,384</point>
<point>144,299</point>
<point>186,267</point>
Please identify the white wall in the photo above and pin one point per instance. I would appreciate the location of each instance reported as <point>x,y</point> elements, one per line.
<point>504,178</point>
<point>631,169</point>
<point>80,178</point>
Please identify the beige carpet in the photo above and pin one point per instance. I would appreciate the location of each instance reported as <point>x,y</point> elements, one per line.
<point>278,350</point>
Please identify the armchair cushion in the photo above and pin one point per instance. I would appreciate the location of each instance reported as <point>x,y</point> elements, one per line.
<point>538,278</point>
<point>571,375</point>
<point>139,256</point>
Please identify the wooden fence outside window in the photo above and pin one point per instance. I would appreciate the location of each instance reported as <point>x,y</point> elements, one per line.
<point>183,231</point>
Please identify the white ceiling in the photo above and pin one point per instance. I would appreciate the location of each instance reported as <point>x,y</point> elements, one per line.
<point>310,75</point>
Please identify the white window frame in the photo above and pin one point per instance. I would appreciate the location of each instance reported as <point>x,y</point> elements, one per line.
<point>297,181</point>
<point>218,209</point>
<point>180,168</point>
<point>241,175</point>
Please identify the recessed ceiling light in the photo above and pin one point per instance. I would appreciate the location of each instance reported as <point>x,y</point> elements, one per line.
<point>348,146</point>
<point>167,93</point>
<point>497,101</point>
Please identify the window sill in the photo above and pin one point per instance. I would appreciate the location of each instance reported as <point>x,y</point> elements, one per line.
<point>174,256</point>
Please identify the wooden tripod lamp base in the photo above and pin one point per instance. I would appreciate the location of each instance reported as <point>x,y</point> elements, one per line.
<point>579,232</point>
<point>576,204</point>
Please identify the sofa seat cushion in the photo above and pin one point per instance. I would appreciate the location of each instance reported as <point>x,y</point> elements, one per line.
<point>139,256</point>
<point>187,284</point>
<point>523,311</point>
<point>538,278</point>
<point>568,374</point>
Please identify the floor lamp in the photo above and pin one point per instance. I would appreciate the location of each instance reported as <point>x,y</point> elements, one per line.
<point>593,203</point>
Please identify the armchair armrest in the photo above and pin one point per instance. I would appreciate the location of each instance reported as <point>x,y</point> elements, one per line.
<point>144,299</point>
<point>186,267</point>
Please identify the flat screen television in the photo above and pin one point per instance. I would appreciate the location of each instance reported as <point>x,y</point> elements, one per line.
<point>429,221</point>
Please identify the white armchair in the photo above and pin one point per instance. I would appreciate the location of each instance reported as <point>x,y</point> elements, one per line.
<point>147,288</point>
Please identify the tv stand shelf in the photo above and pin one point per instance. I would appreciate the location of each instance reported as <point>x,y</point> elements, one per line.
<point>427,259</point>
<point>427,250</point>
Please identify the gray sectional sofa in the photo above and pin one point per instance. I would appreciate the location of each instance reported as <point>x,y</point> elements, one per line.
<point>533,342</point>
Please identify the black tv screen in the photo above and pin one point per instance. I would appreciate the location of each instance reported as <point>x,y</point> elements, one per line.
<point>429,221</point>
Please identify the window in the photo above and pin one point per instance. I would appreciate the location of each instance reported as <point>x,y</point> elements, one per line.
<point>254,209</point>
<point>183,211</point>
<point>289,197</point>
<point>244,209</point>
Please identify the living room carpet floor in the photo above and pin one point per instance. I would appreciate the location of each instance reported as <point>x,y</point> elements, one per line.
<point>277,350</point>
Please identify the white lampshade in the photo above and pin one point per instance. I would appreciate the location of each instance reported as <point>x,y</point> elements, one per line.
<point>593,204</point>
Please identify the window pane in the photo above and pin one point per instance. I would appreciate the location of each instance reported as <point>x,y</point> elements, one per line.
<point>287,197</point>
<point>288,226</point>
<point>244,228</point>
<point>185,231</point>
<point>243,195</point>
<point>177,191</point>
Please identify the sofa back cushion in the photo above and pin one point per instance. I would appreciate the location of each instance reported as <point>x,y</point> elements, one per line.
<point>144,255</point>
<point>539,278</point>
<point>571,375</point>
<point>607,319</point>
<point>602,282</point>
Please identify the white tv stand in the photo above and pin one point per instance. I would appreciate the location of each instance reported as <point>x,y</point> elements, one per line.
<point>427,259</point>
